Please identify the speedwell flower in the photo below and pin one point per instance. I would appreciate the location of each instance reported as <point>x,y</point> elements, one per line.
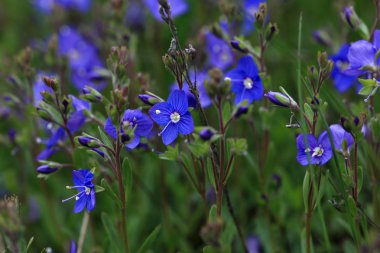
<point>132,119</point>
<point>314,151</point>
<point>86,196</point>
<point>174,115</point>
<point>246,82</point>
<point>340,136</point>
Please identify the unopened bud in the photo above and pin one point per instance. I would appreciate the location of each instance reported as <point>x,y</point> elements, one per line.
<point>91,95</point>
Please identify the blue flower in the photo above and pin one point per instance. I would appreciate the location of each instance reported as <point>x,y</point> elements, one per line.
<point>178,7</point>
<point>86,196</point>
<point>132,119</point>
<point>174,116</point>
<point>44,6</point>
<point>318,151</point>
<point>47,6</point>
<point>246,82</point>
<point>339,135</point>
<point>73,247</point>
<point>250,8</point>
<point>204,99</point>
<point>342,81</point>
<point>253,244</point>
<point>362,54</point>
<point>219,52</point>
<point>83,58</point>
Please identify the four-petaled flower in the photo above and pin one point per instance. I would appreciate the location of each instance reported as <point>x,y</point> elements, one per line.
<point>174,116</point>
<point>86,196</point>
<point>362,55</point>
<point>132,119</point>
<point>246,82</point>
<point>313,151</point>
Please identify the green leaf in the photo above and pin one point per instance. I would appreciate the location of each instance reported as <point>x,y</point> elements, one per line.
<point>365,91</point>
<point>226,113</point>
<point>149,240</point>
<point>305,188</point>
<point>111,192</point>
<point>210,174</point>
<point>308,112</point>
<point>99,189</point>
<point>212,214</point>
<point>171,154</point>
<point>198,148</point>
<point>104,138</point>
<point>111,233</point>
<point>237,146</point>
<point>360,178</point>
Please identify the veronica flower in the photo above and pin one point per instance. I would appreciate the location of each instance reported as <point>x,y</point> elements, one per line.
<point>342,80</point>
<point>362,54</point>
<point>177,7</point>
<point>132,119</point>
<point>174,116</point>
<point>253,244</point>
<point>203,96</point>
<point>86,190</point>
<point>73,247</point>
<point>339,136</point>
<point>246,82</point>
<point>82,55</point>
<point>318,151</point>
<point>219,52</point>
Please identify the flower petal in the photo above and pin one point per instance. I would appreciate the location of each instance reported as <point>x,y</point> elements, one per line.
<point>160,113</point>
<point>81,177</point>
<point>186,124</point>
<point>170,133</point>
<point>247,64</point>
<point>91,200</point>
<point>361,53</point>
<point>144,125</point>
<point>178,100</point>
<point>339,135</point>
<point>134,142</point>
<point>303,156</point>
<point>110,128</point>
<point>80,203</point>
<point>76,121</point>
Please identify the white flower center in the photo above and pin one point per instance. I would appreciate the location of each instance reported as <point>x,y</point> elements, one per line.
<point>175,117</point>
<point>88,190</point>
<point>248,83</point>
<point>318,151</point>
<point>158,111</point>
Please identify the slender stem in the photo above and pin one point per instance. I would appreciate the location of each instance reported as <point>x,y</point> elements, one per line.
<point>355,173</point>
<point>122,195</point>
<point>83,231</point>
<point>221,162</point>
<point>377,18</point>
<point>309,214</point>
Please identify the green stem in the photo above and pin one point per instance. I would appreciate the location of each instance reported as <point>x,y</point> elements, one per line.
<point>83,231</point>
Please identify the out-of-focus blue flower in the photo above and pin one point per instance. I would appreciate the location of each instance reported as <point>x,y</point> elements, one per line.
<point>219,52</point>
<point>246,82</point>
<point>339,135</point>
<point>46,169</point>
<point>86,196</point>
<point>46,6</point>
<point>250,8</point>
<point>174,116</point>
<point>39,86</point>
<point>73,247</point>
<point>132,119</point>
<point>362,54</point>
<point>83,58</point>
<point>134,16</point>
<point>203,97</point>
<point>342,81</point>
<point>318,151</point>
<point>253,244</point>
<point>178,7</point>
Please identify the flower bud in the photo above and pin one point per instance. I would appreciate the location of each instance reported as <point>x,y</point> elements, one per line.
<point>272,29</point>
<point>44,114</point>
<point>241,111</point>
<point>51,82</point>
<point>238,46</point>
<point>206,134</point>
<point>149,99</point>
<point>87,141</point>
<point>322,38</point>
<point>281,99</point>
<point>91,95</point>
<point>98,151</point>
<point>351,17</point>
<point>47,97</point>
<point>46,169</point>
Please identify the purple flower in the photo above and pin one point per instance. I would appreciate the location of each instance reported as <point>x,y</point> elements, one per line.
<point>342,81</point>
<point>46,169</point>
<point>281,99</point>
<point>174,116</point>
<point>318,151</point>
<point>132,119</point>
<point>178,7</point>
<point>203,96</point>
<point>362,54</point>
<point>246,82</point>
<point>253,244</point>
<point>73,247</point>
<point>219,52</point>
<point>46,6</point>
<point>339,135</point>
<point>83,58</point>
<point>206,134</point>
<point>86,196</point>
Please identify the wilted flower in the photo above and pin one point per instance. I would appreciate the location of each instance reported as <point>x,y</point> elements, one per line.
<point>86,196</point>
<point>174,115</point>
<point>246,82</point>
<point>318,151</point>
